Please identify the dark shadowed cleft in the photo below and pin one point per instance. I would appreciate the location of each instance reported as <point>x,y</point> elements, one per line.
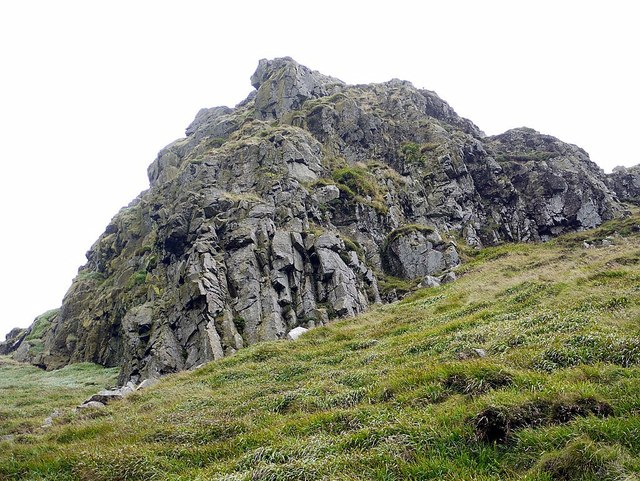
<point>497,424</point>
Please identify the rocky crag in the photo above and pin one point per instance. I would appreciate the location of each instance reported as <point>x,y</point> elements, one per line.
<point>311,199</point>
<point>626,183</point>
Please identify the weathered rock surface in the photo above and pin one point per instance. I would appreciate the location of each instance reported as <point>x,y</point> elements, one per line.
<point>106,396</point>
<point>558,183</point>
<point>625,182</point>
<point>91,405</point>
<point>417,251</point>
<point>13,340</point>
<point>295,207</point>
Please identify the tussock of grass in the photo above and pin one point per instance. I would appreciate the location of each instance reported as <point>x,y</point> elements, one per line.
<point>539,341</point>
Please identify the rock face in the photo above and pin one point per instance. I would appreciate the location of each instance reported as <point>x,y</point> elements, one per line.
<point>297,206</point>
<point>13,340</point>
<point>626,183</point>
<point>558,183</point>
<point>418,251</point>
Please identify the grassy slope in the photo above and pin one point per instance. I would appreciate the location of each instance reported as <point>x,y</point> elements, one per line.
<point>397,393</point>
<point>29,394</point>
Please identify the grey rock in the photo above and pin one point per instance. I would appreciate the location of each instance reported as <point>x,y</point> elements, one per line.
<point>21,351</point>
<point>13,340</point>
<point>625,182</point>
<point>284,85</point>
<point>126,390</point>
<point>448,277</point>
<point>318,316</point>
<point>472,353</point>
<point>207,120</point>
<point>430,281</point>
<point>106,396</point>
<point>330,241</point>
<point>560,187</point>
<point>91,405</point>
<point>327,193</point>
<point>415,253</point>
<point>48,421</point>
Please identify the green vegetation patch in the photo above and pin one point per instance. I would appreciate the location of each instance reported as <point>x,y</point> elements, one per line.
<point>29,394</point>
<point>358,180</point>
<point>413,153</point>
<point>408,229</point>
<point>41,325</point>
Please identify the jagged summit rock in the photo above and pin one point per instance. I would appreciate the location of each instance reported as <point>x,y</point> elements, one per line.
<point>283,85</point>
<point>303,203</point>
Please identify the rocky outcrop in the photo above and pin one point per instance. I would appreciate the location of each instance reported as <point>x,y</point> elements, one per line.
<point>25,345</point>
<point>282,85</point>
<point>625,182</point>
<point>415,251</point>
<point>13,340</point>
<point>291,208</point>
<point>559,184</point>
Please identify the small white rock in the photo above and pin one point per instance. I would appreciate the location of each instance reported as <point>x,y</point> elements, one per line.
<point>147,383</point>
<point>296,332</point>
<point>125,390</point>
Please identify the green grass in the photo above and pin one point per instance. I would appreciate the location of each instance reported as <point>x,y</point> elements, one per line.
<point>41,324</point>
<point>404,231</point>
<point>28,394</point>
<point>359,184</point>
<point>397,393</point>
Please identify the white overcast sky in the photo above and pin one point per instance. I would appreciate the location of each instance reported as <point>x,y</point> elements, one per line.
<point>91,91</point>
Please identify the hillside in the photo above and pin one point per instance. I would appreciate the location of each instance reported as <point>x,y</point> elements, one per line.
<point>526,367</point>
<point>309,201</point>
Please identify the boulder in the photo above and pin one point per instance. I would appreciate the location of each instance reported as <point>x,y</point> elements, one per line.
<point>147,383</point>
<point>417,251</point>
<point>296,332</point>
<point>430,281</point>
<point>106,396</point>
<point>448,277</point>
<point>91,405</point>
